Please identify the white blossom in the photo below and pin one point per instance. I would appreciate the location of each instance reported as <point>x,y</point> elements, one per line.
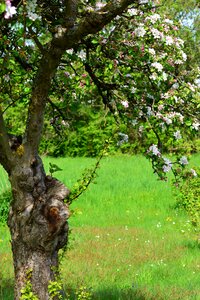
<point>123,138</point>
<point>184,55</point>
<point>133,90</point>
<point>167,165</point>
<point>194,173</point>
<point>156,33</point>
<point>196,125</point>
<point>164,76</point>
<point>7,78</point>
<point>31,10</point>
<point>160,107</point>
<point>183,160</point>
<point>168,21</point>
<point>100,5</point>
<point>178,62</point>
<point>134,122</point>
<point>132,11</point>
<point>167,120</point>
<point>177,135</point>
<point>153,18</point>
<point>153,76</point>
<point>125,103</point>
<point>154,149</point>
<point>82,55</point>
<point>157,66</point>
<point>179,42</point>
<point>10,10</point>
<point>140,31</point>
<point>175,86</point>
<point>70,51</point>
<point>169,40</point>
<point>152,51</point>
<point>191,86</point>
<point>149,111</point>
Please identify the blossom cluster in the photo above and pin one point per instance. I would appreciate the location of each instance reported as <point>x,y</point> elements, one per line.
<point>31,6</point>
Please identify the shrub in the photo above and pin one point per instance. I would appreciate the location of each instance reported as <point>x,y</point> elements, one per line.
<point>188,198</point>
<point>5,200</point>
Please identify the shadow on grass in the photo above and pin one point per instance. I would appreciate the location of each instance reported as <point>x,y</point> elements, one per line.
<point>124,294</point>
<point>117,294</point>
<point>194,245</point>
<point>6,289</point>
<point>7,293</point>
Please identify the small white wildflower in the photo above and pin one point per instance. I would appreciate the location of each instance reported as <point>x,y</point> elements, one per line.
<point>183,160</point>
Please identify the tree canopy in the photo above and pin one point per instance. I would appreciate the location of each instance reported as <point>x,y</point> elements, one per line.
<point>122,55</point>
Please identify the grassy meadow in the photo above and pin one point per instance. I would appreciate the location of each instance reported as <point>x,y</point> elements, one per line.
<point>127,240</point>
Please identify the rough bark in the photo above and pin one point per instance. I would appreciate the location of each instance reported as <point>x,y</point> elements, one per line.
<point>38,225</point>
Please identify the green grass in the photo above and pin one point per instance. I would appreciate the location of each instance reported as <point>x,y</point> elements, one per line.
<point>127,240</point>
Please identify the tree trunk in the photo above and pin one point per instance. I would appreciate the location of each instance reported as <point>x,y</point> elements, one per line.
<point>38,226</point>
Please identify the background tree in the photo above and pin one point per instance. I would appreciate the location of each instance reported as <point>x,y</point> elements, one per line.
<point>122,51</point>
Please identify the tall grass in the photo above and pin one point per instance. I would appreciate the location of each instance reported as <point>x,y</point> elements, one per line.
<point>127,240</point>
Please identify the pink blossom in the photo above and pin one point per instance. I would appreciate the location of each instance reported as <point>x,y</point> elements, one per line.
<point>154,149</point>
<point>125,103</point>
<point>10,10</point>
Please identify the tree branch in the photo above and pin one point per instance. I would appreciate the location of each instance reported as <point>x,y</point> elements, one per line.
<point>64,39</point>
<point>48,65</point>
<point>5,151</point>
<point>91,24</point>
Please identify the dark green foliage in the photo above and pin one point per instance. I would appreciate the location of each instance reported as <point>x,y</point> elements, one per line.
<point>5,199</point>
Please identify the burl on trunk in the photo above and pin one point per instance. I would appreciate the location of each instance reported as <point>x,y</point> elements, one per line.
<point>38,225</point>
